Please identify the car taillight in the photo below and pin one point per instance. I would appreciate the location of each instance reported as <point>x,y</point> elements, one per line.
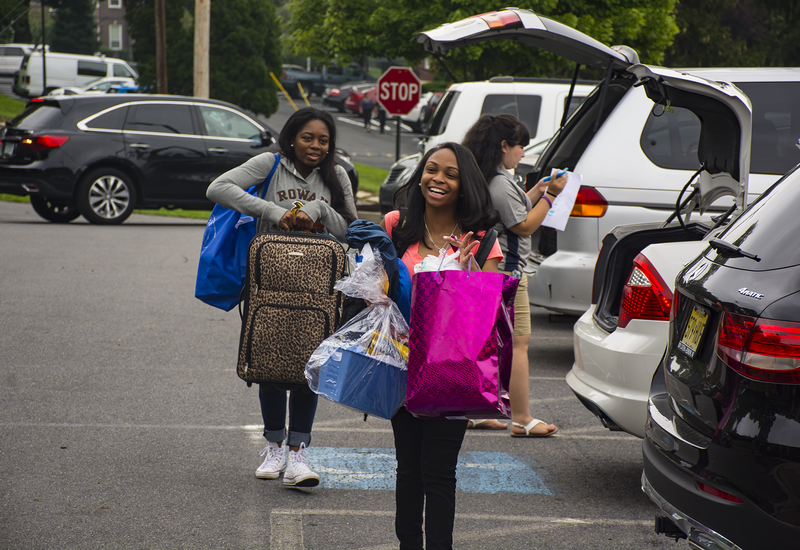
<point>645,295</point>
<point>719,493</point>
<point>589,203</point>
<point>41,143</point>
<point>761,349</point>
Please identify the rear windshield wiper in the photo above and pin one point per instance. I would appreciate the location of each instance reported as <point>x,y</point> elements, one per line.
<point>728,250</point>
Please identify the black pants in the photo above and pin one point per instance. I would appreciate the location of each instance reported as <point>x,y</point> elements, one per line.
<point>427,453</point>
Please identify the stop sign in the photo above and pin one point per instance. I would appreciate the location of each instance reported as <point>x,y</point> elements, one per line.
<point>398,90</point>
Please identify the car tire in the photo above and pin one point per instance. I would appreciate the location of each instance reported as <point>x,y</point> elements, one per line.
<point>106,196</point>
<point>54,210</point>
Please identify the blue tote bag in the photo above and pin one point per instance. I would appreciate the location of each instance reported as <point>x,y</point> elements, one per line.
<point>223,256</point>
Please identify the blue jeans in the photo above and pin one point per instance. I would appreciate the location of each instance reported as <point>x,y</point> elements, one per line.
<point>302,408</point>
<point>427,454</point>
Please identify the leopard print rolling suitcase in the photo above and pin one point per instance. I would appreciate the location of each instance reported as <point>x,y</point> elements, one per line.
<point>290,305</point>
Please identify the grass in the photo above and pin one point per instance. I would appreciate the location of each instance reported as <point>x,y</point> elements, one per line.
<point>10,107</point>
<point>370,178</point>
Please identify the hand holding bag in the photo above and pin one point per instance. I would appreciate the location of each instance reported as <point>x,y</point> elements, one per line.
<point>461,344</point>
<point>223,256</point>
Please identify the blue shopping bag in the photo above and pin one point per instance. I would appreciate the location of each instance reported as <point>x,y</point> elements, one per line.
<point>222,268</point>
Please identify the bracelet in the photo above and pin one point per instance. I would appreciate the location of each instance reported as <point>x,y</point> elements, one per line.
<point>549,193</point>
<point>547,200</point>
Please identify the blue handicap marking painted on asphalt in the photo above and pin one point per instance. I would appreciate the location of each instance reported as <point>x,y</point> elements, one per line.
<point>374,469</point>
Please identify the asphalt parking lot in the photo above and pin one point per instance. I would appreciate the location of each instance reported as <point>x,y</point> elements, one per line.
<point>124,424</point>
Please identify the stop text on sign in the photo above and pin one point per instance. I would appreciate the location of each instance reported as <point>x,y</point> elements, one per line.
<point>403,91</point>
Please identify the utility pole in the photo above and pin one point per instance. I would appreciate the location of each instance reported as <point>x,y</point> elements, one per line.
<point>161,47</point>
<point>44,57</point>
<point>202,12</point>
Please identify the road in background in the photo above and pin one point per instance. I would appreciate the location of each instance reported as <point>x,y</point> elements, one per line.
<point>370,148</point>
<point>124,425</point>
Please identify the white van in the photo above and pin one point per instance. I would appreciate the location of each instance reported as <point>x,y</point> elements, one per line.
<point>11,56</point>
<point>64,70</point>
<point>538,102</point>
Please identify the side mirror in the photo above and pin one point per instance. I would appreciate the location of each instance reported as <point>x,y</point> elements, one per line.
<point>266,138</point>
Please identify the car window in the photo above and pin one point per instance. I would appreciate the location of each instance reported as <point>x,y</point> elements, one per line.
<point>438,123</point>
<point>767,227</point>
<point>525,107</point>
<point>35,116</point>
<point>334,70</point>
<point>168,118</point>
<point>776,125</point>
<point>112,120</point>
<point>122,70</point>
<point>669,138</point>
<point>573,104</point>
<point>220,122</point>
<point>92,68</point>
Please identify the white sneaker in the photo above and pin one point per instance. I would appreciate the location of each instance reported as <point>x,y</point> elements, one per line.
<point>274,463</point>
<point>297,474</point>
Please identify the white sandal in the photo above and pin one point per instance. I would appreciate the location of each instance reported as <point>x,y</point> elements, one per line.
<point>531,425</point>
<point>476,424</point>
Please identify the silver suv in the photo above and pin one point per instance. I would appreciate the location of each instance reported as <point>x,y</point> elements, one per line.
<point>635,157</point>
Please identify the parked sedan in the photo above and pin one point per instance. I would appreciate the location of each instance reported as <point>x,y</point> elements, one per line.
<point>722,439</point>
<point>101,156</point>
<point>335,97</point>
<point>356,93</point>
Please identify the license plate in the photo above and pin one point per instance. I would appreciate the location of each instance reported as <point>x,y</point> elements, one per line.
<point>8,148</point>
<point>694,331</point>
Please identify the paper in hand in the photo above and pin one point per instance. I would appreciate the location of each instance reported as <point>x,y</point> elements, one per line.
<point>558,215</point>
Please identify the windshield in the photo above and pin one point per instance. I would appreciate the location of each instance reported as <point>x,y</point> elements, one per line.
<point>767,227</point>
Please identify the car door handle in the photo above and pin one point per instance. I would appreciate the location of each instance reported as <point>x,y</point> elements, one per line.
<point>217,150</point>
<point>139,146</point>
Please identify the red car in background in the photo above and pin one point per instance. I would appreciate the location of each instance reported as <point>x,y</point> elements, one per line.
<point>356,94</point>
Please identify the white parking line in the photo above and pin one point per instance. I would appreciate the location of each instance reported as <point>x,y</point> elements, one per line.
<point>292,521</point>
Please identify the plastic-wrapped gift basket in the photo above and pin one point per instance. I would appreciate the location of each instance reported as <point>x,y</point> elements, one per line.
<point>363,365</point>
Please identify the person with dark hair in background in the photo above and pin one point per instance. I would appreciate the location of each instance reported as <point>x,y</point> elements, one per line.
<point>497,142</point>
<point>308,190</point>
<point>366,111</point>
<point>447,203</point>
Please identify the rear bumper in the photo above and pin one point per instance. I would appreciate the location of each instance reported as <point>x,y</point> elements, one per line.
<point>676,458</point>
<point>563,283</point>
<point>31,180</point>
<point>695,532</point>
<point>613,370</point>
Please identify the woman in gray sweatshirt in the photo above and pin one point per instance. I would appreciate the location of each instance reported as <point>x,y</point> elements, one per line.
<point>308,190</point>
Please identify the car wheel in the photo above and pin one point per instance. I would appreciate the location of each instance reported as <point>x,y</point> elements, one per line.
<point>106,196</point>
<point>54,210</point>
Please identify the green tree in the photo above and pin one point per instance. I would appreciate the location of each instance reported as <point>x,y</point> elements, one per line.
<point>244,48</point>
<point>349,29</point>
<point>14,21</point>
<point>736,33</point>
<point>74,27</point>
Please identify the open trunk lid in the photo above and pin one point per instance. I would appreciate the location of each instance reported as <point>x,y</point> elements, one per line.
<point>528,28</point>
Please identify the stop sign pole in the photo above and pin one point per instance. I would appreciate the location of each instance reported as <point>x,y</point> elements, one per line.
<point>398,93</point>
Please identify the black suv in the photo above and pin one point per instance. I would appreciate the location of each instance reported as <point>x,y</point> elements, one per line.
<point>102,156</point>
<point>722,440</point>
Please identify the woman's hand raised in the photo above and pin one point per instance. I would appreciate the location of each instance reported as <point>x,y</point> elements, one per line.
<point>466,247</point>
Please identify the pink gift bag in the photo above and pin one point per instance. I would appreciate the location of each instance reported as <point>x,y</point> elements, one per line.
<point>460,344</point>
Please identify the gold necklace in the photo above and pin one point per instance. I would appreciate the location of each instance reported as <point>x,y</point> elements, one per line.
<point>444,247</point>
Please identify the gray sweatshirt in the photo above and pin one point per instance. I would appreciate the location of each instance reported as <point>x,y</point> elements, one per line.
<point>287,189</point>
